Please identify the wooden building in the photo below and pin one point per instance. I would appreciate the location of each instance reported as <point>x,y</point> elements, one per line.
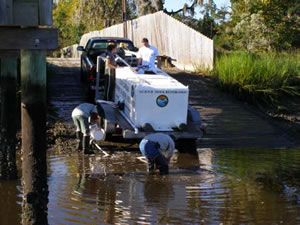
<point>188,47</point>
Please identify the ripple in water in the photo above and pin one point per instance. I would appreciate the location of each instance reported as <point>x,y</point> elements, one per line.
<point>229,187</point>
<point>232,186</point>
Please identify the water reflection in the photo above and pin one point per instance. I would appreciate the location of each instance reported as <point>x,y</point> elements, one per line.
<point>92,178</point>
<point>11,200</point>
<point>259,185</point>
<point>238,186</point>
<point>117,189</point>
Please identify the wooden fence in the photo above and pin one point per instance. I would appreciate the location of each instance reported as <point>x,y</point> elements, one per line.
<point>173,38</point>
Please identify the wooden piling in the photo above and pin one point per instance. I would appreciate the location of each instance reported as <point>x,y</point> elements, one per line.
<point>20,28</point>
<point>8,90</point>
<point>33,110</point>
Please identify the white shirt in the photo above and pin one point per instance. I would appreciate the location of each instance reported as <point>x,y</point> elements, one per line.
<point>148,55</point>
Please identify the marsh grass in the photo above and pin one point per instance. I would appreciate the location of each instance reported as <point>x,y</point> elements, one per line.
<point>260,78</point>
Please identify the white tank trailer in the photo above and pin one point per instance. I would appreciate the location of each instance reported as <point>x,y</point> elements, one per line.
<point>136,101</point>
<point>155,100</point>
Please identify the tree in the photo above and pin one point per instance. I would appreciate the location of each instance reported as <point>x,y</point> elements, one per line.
<point>209,24</point>
<point>264,24</point>
<point>73,18</point>
<point>206,25</point>
<point>149,6</point>
<point>252,32</point>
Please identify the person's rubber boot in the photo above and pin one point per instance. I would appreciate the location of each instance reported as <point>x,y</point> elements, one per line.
<point>86,145</point>
<point>79,140</point>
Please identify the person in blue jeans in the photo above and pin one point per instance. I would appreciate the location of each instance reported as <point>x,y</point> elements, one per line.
<point>158,148</point>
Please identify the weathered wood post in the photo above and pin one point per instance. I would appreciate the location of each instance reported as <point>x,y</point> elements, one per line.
<point>19,29</point>
<point>8,89</point>
<point>33,111</point>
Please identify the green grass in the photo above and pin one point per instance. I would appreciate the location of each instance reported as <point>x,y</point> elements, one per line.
<point>263,77</point>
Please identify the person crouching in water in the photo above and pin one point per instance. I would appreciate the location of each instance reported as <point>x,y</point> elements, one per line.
<point>80,116</point>
<point>158,148</point>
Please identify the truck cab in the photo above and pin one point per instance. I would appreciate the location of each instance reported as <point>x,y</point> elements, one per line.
<point>97,47</point>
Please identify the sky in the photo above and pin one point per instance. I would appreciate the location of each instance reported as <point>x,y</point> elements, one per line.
<point>178,4</point>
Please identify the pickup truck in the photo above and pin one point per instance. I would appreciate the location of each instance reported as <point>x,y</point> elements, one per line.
<point>97,47</point>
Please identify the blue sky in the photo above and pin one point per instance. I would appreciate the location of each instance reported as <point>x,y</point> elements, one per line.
<point>178,4</point>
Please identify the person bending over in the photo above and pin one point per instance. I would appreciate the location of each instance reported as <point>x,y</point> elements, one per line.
<point>158,148</point>
<point>80,116</point>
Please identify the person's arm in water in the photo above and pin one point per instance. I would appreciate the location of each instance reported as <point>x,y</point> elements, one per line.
<point>170,149</point>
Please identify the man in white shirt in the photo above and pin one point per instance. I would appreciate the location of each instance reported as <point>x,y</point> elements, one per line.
<point>147,55</point>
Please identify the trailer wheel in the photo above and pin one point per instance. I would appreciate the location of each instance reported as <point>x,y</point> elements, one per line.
<point>108,137</point>
<point>109,129</point>
<point>187,146</point>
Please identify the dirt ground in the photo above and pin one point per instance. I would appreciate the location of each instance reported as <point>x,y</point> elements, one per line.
<point>230,123</point>
<point>65,92</point>
<point>222,111</point>
<point>61,140</point>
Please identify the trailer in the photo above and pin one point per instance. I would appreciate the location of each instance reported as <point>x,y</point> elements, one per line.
<point>136,101</point>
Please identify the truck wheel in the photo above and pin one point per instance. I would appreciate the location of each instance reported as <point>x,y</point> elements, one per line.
<point>187,146</point>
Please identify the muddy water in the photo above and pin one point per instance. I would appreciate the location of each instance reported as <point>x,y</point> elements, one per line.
<point>238,186</point>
